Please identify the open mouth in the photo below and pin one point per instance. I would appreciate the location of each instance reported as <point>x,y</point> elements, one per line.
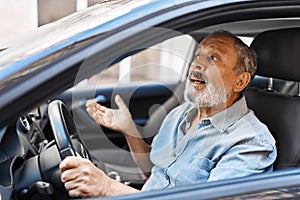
<point>198,81</point>
<point>197,78</point>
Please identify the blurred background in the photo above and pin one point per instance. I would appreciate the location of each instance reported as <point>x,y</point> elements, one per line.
<point>19,17</point>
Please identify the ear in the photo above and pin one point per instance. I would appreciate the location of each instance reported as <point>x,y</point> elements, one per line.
<point>243,80</point>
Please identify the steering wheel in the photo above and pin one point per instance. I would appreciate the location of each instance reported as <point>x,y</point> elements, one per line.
<point>45,166</point>
<point>64,129</point>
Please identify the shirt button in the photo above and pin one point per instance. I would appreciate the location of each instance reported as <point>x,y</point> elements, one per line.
<point>173,155</point>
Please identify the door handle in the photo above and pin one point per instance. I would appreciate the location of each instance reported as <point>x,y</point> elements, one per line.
<point>99,98</point>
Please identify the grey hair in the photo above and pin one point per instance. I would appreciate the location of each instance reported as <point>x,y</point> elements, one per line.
<point>247,58</point>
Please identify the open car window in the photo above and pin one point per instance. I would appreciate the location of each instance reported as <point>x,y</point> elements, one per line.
<point>162,63</point>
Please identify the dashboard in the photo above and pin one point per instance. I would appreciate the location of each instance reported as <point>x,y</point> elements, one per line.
<point>21,146</point>
<point>34,131</point>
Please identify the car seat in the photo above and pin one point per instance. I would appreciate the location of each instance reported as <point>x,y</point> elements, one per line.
<point>279,107</point>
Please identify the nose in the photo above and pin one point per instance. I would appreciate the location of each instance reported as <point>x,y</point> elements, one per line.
<point>199,63</point>
<point>197,66</point>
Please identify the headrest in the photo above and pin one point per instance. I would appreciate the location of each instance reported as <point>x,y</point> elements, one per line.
<point>278,53</point>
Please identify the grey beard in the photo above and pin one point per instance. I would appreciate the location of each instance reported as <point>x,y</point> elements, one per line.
<point>211,96</point>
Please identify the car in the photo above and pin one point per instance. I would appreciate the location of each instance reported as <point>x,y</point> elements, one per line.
<point>141,50</point>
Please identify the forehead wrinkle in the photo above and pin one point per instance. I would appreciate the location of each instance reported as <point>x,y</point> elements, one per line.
<point>212,47</point>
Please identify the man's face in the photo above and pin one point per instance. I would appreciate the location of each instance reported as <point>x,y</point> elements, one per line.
<point>211,76</point>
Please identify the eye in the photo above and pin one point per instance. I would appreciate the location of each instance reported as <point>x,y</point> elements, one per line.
<point>214,58</point>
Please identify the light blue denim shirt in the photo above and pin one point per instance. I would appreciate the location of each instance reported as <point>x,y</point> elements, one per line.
<point>232,143</point>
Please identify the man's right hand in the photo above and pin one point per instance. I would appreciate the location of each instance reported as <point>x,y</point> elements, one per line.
<point>83,179</point>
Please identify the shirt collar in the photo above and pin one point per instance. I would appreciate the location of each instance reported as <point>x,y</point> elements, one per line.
<point>224,119</point>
